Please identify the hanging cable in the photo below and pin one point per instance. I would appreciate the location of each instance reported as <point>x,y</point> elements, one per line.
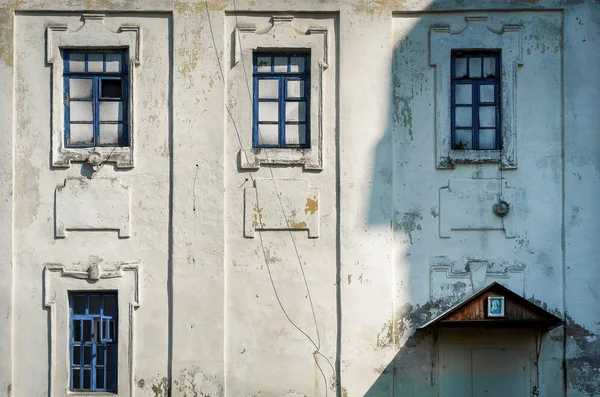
<point>316,344</point>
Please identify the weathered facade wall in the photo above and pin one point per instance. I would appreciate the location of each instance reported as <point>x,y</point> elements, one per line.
<point>369,236</point>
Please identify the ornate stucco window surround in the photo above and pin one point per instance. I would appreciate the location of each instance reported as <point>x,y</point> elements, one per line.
<point>92,35</point>
<point>120,278</point>
<point>476,36</point>
<point>282,36</point>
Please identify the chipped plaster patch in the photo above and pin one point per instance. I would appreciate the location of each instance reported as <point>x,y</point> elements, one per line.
<point>160,388</point>
<point>408,223</point>
<point>192,382</point>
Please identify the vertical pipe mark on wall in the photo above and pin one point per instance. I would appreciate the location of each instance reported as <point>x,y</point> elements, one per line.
<point>338,231</point>
<point>194,191</point>
<point>563,231</point>
<point>170,222</point>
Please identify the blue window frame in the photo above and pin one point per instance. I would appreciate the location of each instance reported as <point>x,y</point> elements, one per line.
<point>96,88</point>
<point>93,341</point>
<point>475,100</point>
<point>281,103</point>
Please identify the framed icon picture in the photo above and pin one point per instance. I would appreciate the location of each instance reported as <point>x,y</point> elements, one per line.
<point>495,306</point>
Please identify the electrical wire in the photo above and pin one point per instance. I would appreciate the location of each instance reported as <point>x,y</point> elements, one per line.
<point>317,344</point>
<point>102,163</point>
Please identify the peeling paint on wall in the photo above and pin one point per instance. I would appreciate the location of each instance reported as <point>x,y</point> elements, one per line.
<point>408,222</point>
<point>193,382</point>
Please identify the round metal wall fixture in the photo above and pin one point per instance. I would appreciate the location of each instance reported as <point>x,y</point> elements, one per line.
<point>94,159</point>
<point>501,208</point>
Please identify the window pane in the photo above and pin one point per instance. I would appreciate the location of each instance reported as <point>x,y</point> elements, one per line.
<point>297,64</point>
<point>268,134</point>
<point>486,93</point>
<point>87,330</point>
<point>77,331</point>
<point>111,356</point>
<point>489,66</point>
<point>280,65</point>
<point>78,304</point>
<point>463,116</point>
<point>474,67</point>
<point>295,89</point>
<point>113,63</point>
<point>100,378</point>
<point>87,381</point>
<point>76,379</point>
<point>94,302</point>
<point>106,331</point>
<point>99,355</point>
<point>81,134</point>
<point>111,111</point>
<point>268,111</point>
<point>80,88</point>
<point>87,354</point>
<point>295,134</point>
<point>487,116</point>
<point>111,381</point>
<point>110,305</point>
<point>295,111</point>
<point>463,138</point>
<point>263,64</point>
<point>460,67</point>
<point>487,138</point>
<point>111,88</point>
<point>111,329</point>
<point>76,355</point>
<point>463,94</point>
<point>111,134</point>
<point>81,111</point>
<point>95,62</point>
<point>268,89</point>
<point>77,62</point>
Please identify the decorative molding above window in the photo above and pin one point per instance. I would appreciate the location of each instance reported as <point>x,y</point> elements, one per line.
<point>92,35</point>
<point>476,36</point>
<point>59,280</point>
<point>281,36</point>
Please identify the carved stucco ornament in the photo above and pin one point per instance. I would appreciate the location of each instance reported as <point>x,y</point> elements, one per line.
<point>92,34</point>
<point>90,276</point>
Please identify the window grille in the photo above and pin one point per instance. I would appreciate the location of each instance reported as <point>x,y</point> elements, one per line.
<point>93,341</point>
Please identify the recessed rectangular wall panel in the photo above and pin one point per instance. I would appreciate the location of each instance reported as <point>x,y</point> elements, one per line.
<point>281,205</point>
<point>92,204</point>
<point>468,204</point>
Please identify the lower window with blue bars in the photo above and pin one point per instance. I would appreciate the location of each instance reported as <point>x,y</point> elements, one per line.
<point>93,341</point>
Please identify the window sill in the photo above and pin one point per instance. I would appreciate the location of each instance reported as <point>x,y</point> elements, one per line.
<point>92,394</point>
<point>470,157</point>
<point>122,156</point>
<point>253,158</point>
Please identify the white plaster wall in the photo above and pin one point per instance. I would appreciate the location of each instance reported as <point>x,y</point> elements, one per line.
<point>209,321</point>
<point>261,343</point>
<point>36,181</point>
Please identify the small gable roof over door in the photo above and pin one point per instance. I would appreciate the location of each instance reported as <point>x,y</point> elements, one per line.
<point>473,312</point>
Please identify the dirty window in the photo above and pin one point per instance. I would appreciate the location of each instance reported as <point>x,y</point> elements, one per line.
<point>281,102</point>
<point>93,341</point>
<point>96,91</point>
<point>475,100</point>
